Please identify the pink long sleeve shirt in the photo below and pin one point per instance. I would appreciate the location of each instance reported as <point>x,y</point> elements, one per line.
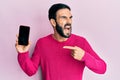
<point>57,63</point>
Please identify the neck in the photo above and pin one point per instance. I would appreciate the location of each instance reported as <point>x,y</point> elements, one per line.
<point>59,38</point>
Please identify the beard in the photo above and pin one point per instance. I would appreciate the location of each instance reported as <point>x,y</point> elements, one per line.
<point>60,30</point>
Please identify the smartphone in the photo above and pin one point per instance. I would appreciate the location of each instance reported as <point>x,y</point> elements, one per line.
<point>23,37</point>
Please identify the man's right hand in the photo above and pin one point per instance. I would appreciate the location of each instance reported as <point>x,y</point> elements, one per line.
<point>22,48</point>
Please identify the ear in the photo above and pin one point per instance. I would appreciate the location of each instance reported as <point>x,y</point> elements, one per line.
<point>53,23</point>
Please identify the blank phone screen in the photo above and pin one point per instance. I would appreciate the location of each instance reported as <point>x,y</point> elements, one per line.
<point>23,35</point>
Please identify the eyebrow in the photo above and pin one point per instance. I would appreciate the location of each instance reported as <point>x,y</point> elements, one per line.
<point>66,17</point>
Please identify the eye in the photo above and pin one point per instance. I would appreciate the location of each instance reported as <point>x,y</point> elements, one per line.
<point>71,17</point>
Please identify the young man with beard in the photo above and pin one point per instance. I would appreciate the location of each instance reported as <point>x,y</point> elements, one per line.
<point>62,55</point>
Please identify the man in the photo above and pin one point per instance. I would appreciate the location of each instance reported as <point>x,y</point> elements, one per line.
<point>62,55</point>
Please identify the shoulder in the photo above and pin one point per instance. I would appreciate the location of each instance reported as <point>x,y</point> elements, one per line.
<point>78,40</point>
<point>77,37</point>
<point>44,39</point>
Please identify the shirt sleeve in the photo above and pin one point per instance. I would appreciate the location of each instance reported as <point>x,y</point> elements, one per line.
<point>29,65</point>
<point>92,60</point>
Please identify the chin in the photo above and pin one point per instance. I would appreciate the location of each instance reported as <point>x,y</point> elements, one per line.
<point>67,36</point>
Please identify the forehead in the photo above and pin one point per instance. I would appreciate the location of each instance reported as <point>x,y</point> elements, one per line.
<point>64,12</point>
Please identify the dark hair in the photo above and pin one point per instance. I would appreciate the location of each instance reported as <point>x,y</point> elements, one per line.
<point>54,8</point>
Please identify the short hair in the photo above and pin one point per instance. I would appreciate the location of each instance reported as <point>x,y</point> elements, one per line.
<point>54,8</point>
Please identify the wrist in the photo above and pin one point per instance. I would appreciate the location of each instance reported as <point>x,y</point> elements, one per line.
<point>22,52</point>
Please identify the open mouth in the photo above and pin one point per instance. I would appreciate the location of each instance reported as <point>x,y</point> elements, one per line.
<point>67,27</point>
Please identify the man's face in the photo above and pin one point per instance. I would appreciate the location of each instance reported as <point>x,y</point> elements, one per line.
<point>63,22</point>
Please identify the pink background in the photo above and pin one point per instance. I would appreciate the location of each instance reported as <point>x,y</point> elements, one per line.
<point>97,20</point>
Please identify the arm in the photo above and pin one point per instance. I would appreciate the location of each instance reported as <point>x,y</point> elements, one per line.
<point>29,65</point>
<point>92,60</point>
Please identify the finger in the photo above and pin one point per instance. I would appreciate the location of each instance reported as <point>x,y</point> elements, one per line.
<point>69,47</point>
<point>72,54</point>
<point>29,43</point>
<point>16,43</point>
<point>17,35</point>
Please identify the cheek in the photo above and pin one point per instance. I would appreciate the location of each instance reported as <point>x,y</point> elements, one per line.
<point>62,23</point>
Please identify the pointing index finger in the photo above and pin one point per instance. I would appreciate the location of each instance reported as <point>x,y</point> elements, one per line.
<point>69,47</point>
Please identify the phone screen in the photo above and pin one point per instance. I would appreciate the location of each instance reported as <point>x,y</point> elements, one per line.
<point>23,35</point>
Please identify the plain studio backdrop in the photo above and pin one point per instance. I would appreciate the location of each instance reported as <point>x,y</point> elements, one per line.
<point>97,20</point>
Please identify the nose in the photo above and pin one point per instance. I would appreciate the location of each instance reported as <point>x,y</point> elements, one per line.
<point>69,20</point>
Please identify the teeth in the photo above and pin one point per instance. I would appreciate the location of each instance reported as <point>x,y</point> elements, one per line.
<point>67,26</point>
